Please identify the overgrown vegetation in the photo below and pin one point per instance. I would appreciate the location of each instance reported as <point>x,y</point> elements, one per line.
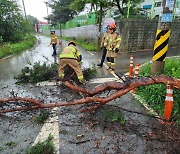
<point>114,116</point>
<point>45,147</point>
<point>14,48</point>
<point>42,117</point>
<point>155,95</point>
<point>43,72</point>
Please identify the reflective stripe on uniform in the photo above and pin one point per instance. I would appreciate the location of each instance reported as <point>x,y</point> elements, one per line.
<point>113,64</point>
<point>80,77</point>
<point>61,75</point>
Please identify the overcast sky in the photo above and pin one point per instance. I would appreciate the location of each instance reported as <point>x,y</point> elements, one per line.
<point>36,8</point>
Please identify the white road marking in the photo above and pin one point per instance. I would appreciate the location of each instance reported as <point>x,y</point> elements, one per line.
<point>102,80</point>
<point>47,83</point>
<point>90,53</point>
<point>50,127</point>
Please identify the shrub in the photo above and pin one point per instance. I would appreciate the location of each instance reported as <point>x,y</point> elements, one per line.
<point>37,73</point>
<point>45,72</point>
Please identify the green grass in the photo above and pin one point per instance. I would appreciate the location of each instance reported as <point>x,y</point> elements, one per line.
<point>14,48</point>
<point>42,117</point>
<point>155,95</point>
<point>85,43</point>
<point>88,45</point>
<point>45,147</point>
<point>114,116</point>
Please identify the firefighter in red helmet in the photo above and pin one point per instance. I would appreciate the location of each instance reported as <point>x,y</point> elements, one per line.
<point>113,45</point>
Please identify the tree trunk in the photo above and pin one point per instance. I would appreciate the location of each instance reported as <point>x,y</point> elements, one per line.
<point>99,28</point>
<point>119,7</point>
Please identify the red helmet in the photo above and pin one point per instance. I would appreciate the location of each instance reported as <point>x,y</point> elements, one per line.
<point>72,42</point>
<point>113,26</point>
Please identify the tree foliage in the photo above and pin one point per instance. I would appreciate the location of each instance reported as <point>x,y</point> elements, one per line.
<point>13,25</point>
<point>61,11</point>
<point>122,5</point>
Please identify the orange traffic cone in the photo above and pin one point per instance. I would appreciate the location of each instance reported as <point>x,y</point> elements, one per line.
<point>131,67</point>
<point>168,105</point>
<point>136,73</point>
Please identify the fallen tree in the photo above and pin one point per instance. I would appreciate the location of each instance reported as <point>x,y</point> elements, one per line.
<point>96,102</point>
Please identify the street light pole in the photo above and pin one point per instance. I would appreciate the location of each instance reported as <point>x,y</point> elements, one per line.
<point>48,21</point>
<point>24,9</point>
<point>47,10</point>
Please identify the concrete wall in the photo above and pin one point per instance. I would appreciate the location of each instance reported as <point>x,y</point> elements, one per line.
<point>137,34</point>
<point>89,32</point>
<point>140,34</point>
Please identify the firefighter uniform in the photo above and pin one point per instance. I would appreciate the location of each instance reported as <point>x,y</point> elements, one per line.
<point>113,44</point>
<point>54,39</point>
<point>103,47</point>
<point>70,56</point>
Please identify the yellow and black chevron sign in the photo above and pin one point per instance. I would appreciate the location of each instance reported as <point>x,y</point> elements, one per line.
<point>161,45</point>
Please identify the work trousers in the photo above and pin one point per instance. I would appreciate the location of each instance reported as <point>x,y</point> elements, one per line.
<point>73,64</point>
<point>111,59</point>
<point>103,55</point>
<point>54,49</point>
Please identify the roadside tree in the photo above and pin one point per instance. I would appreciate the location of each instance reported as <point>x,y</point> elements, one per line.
<point>13,25</point>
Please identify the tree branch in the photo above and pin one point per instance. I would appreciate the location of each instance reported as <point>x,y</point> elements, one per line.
<point>122,89</point>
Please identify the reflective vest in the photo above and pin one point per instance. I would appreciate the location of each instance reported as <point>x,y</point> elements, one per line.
<point>69,52</point>
<point>113,41</point>
<point>53,39</point>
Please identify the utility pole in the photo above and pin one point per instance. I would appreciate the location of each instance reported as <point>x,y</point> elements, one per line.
<point>162,37</point>
<point>99,28</point>
<point>48,21</point>
<point>24,9</point>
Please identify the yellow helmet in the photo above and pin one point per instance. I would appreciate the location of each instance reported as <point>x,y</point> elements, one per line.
<point>72,42</point>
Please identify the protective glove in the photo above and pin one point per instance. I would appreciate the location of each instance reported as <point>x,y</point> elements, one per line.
<point>79,58</point>
<point>116,50</point>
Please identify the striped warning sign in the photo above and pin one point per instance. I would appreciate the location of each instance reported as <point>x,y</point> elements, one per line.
<point>161,45</point>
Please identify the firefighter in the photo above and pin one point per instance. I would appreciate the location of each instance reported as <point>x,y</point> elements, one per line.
<point>71,56</point>
<point>53,42</point>
<point>103,46</point>
<point>113,45</point>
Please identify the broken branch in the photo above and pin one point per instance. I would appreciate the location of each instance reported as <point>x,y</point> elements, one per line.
<point>122,89</point>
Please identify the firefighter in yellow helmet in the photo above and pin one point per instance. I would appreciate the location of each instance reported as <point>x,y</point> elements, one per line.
<point>71,56</point>
<point>113,45</point>
<point>54,40</point>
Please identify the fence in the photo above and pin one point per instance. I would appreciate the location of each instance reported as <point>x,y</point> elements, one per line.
<point>83,20</point>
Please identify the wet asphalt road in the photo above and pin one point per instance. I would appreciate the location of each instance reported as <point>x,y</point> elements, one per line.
<point>86,133</point>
